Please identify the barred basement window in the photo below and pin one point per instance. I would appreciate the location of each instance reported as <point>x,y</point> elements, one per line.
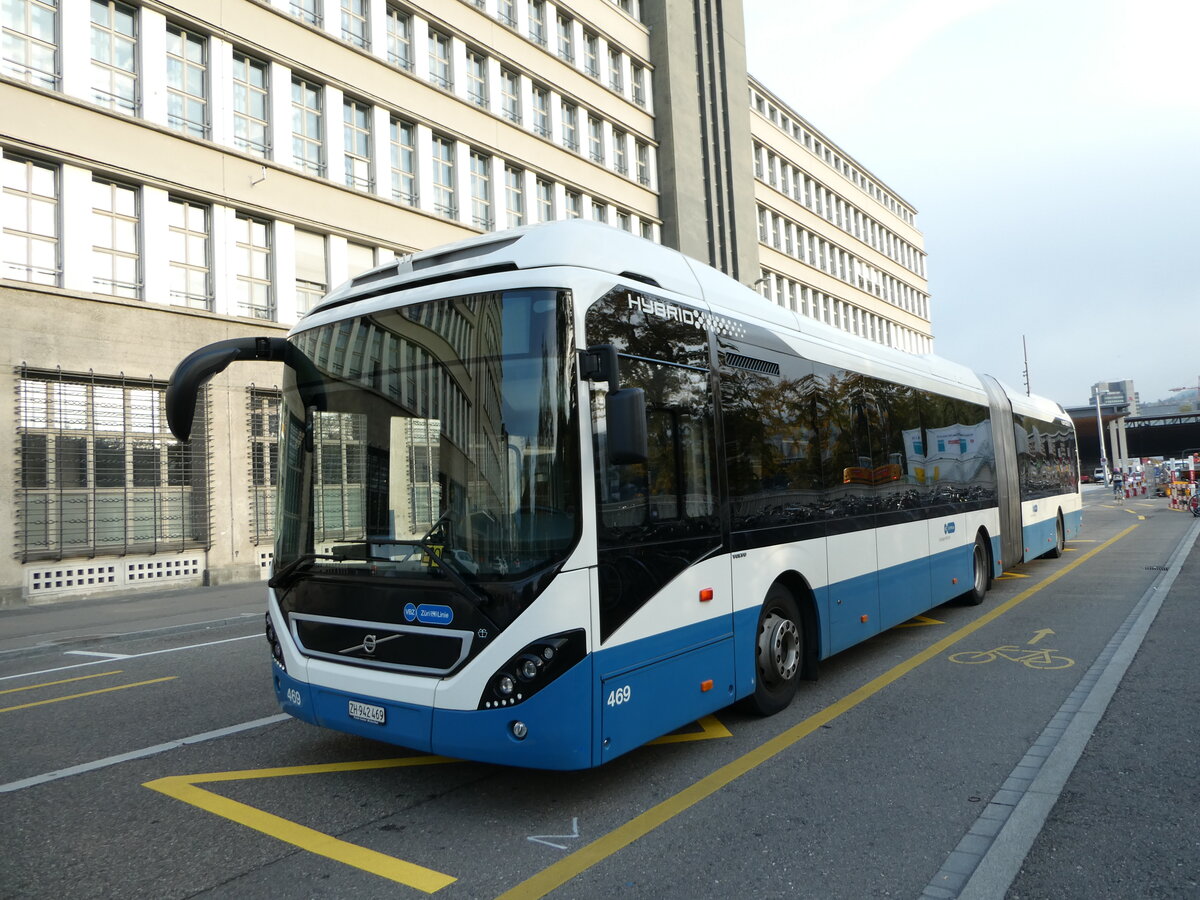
<point>264,462</point>
<point>99,474</point>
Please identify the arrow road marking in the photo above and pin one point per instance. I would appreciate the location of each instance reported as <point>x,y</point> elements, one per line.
<point>544,838</point>
<point>1038,635</point>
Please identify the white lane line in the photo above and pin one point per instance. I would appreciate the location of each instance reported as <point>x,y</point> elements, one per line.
<point>139,754</point>
<point>92,653</point>
<point>257,634</point>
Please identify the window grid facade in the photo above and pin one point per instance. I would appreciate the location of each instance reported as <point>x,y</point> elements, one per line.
<point>114,56</point>
<point>477,82</point>
<point>250,105</point>
<point>404,162</point>
<point>116,243</point>
<point>190,253</point>
<point>312,272</point>
<point>263,410</point>
<point>30,43</point>
<point>255,290</point>
<point>444,199</point>
<point>356,132</point>
<point>306,11</point>
<point>308,151</point>
<point>355,29</point>
<point>514,196</point>
<point>510,95</point>
<point>31,223</point>
<point>187,82</point>
<point>481,191</point>
<point>399,38</point>
<point>440,67</point>
<point>100,474</point>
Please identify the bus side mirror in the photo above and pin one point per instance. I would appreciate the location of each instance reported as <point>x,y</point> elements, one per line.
<point>624,408</point>
<point>199,366</point>
<point>625,413</point>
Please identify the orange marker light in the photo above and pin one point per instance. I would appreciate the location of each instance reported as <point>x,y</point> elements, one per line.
<point>706,594</point>
<point>706,685</point>
<point>954,581</point>
<point>864,618</point>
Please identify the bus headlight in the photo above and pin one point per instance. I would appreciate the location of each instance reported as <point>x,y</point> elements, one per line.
<point>276,647</point>
<point>528,667</point>
<point>536,666</point>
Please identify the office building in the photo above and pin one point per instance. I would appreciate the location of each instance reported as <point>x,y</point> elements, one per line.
<point>177,173</point>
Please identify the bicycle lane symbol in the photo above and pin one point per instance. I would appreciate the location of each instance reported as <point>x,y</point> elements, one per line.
<point>1028,656</point>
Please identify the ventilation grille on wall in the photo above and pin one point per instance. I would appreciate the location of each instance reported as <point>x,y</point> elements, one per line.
<point>265,558</point>
<point>84,577</point>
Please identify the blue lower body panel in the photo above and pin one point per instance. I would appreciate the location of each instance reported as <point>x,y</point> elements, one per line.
<point>405,724</point>
<point>558,721</point>
<point>639,705</point>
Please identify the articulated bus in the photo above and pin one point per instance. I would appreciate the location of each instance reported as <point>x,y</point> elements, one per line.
<point>547,494</point>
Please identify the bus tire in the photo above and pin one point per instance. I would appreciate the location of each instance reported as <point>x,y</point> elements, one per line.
<point>778,653</point>
<point>1060,540</point>
<point>981,573</point>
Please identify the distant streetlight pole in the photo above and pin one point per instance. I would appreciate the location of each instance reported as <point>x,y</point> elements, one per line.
<point>1100,433</point>
<point>1025,349</point>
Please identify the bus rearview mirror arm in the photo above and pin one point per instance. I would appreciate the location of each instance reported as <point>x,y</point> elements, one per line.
<point>198,367</point>
<point>624,408</point>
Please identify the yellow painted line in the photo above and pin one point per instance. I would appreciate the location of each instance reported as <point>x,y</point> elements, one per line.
<point>710,728</point>
<point>918,621</point>
<point>31,687</point>
<point>183,787</point>
<point>558,874</point>
<point>1007,575</point>
<point>119,687</point>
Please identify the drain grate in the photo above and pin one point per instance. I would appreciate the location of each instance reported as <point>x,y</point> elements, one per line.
<point>1156,568</point>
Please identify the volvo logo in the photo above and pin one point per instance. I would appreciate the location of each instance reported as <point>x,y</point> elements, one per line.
<point>370,643</point>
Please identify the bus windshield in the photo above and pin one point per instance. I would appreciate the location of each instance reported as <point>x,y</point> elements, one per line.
<point>436,440</point>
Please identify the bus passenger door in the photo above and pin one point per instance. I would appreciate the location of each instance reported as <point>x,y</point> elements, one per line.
<point>664,652</point>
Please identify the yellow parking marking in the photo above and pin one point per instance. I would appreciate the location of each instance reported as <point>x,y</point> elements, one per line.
<point>119,687</point>
<point>558,874</point>
<point>709,728</point>
<point>30,687</point>
<point>183,787</point>
<point>1008,575</point>
<point>918,621</point>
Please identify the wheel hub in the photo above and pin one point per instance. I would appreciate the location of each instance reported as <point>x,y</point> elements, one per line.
<point>779,649</point>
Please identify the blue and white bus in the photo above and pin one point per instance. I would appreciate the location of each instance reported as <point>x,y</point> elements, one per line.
<point>550,493</point>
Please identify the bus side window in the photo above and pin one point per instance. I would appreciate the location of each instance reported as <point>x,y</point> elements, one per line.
<point>675,489</point>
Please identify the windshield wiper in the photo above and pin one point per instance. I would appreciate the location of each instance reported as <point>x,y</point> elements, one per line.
<point>283,576</point>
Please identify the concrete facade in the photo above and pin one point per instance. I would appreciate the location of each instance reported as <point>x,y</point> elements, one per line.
<point>219,166</point>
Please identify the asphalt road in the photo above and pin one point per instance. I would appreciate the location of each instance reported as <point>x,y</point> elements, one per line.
<point>913,767</point>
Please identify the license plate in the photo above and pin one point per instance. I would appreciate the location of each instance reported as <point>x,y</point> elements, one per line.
<point>367,712</point>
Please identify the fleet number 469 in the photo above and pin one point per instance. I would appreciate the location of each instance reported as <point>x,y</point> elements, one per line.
<point>619,695</point>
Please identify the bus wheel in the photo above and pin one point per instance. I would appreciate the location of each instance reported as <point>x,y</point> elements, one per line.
<point>1060,540</point>
<point>981,575</point>
<point>778,653</point>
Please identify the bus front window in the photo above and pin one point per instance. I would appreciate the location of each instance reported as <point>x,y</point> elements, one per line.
<point>445,436</point>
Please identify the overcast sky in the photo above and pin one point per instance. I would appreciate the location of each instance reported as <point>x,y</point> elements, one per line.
<point>1052,150</point>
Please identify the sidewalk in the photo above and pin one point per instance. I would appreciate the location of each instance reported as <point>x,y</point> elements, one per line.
<point>1127,822</point>
<point>26,629</point>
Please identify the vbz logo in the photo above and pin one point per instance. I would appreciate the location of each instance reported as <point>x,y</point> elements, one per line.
<point>948,528</point>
